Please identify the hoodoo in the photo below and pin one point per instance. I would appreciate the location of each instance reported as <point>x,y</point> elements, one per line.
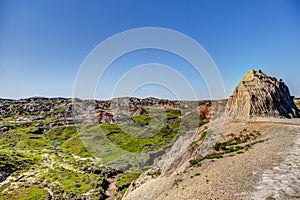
<point>260,95</point>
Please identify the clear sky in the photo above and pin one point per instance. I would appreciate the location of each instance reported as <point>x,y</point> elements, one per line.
<point>43,43</point>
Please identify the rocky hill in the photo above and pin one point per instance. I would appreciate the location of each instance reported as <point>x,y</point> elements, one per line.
<point>260,95</point>
<point>233,156</point>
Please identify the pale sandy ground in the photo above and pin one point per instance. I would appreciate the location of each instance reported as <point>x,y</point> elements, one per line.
<point>270,170</point>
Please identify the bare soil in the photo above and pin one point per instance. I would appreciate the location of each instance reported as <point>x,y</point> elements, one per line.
<point>268,170</point>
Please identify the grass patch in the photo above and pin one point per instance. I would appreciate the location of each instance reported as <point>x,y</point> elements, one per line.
<point>125,180</point>
<point>218,146</point>
<point>71,182</point>
<point>137,145</point>
<point>193,146</point>
<point>196,162</point>
<point>76,146</point>
<point>33,142</point>
<point>173,114</point>
<point>203,135</point>
<point>61,133</point>
<point>214,155</point>
<point>141,120</point>
<point>56,111</point>
<point>150,142</point>
<point>11,137</point>
<point>12,161</point>
<point>25,193</point>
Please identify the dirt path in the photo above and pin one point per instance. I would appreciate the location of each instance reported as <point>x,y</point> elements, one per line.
<point>112,189</point>
<point>283,180</point>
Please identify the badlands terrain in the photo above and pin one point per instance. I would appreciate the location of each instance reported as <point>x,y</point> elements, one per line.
<point>246,147</point>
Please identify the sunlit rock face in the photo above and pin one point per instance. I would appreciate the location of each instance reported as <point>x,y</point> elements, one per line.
<point>260,95</point>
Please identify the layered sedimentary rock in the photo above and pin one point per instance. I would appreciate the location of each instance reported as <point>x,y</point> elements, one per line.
<point>260,95</point>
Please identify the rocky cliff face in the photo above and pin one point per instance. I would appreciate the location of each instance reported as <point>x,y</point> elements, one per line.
<point>260,95</point>
<point>297,102</point>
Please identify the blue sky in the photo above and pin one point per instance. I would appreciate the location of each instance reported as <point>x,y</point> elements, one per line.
<point>43,43</point>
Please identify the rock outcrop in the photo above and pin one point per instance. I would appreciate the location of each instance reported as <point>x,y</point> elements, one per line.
<point>260,95</point>
<point>72,111</point>
<point>297,102</point>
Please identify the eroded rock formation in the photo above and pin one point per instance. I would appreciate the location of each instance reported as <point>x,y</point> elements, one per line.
<point>260,95</point>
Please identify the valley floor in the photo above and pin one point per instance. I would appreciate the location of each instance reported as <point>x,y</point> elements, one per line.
<point>268,170</point>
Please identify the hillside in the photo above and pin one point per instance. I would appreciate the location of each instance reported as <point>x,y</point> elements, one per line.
<point>265,167</point>
<point>252,152</point>
<point>44,155</point>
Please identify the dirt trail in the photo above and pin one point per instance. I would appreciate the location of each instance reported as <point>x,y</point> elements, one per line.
<point>283,180</point>
<point>112,189</point>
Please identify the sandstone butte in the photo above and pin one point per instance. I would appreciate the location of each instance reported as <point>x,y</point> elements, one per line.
<point>260,95</point>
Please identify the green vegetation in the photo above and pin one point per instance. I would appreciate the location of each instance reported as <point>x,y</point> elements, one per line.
<point>26,193</point>
<point>245,138</point>
<point>220,146</point>
<point>11,161</point>
<point>231,145</point>
<point>191,121</point>
<point>136,145</point>
<point>154,174</point>
<point>61,133</point>
<point>67,138</point>
<point>141,120</point>
<point>133,143</point>
<point>70,181</point>
<point>196,162</point>
<point>125,180</point>
<point>193,146</point>
<point>203,135</point>
<point>56,111</point>
<point>76,146</point>
<point>173,114</point>
<point>214,155</point>
<point>47,155</point>
<point>33,142</point>
<point>9,139</point>
<point>65,177</point>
